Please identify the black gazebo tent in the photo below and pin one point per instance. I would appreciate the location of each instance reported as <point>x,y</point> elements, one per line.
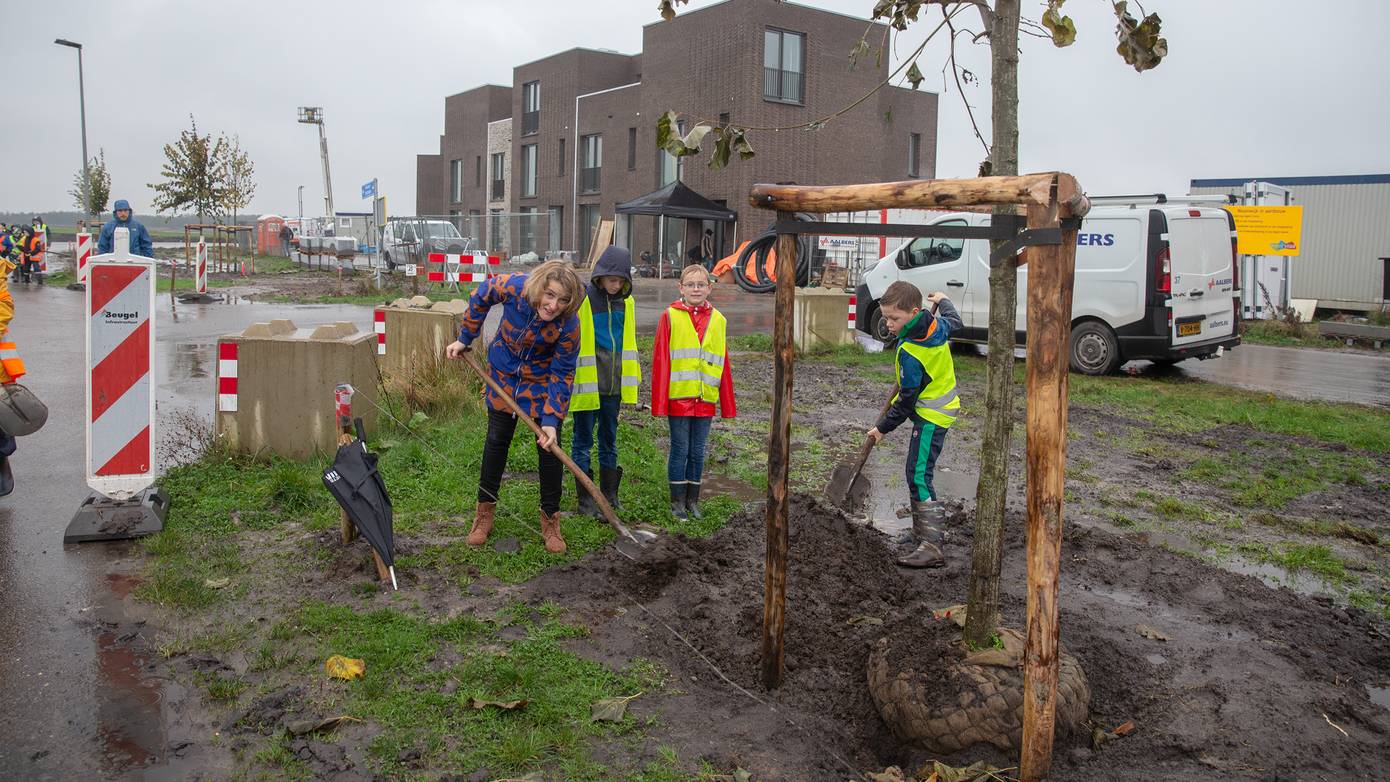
<point>675,200</point>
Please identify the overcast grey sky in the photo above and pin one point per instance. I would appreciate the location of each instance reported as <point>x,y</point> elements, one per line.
<point>1251,87</point>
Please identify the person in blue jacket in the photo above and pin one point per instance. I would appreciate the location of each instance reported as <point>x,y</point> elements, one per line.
<point>122,217</point>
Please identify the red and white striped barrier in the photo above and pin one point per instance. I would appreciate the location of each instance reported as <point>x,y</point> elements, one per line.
<point>380,327</point>
<point>120,389</point>
<point>448,267</point>
<point>83,254</point>
<point>226,377</point>
<point>201,266</point>
<point>853,301</point>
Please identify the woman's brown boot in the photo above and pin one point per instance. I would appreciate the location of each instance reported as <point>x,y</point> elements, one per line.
<point>550,531</point>
<point>482,524</point>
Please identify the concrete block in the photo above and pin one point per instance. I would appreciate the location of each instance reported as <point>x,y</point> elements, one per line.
<point>275,386</point>
<point>414,339</point>
<point>821,318</point>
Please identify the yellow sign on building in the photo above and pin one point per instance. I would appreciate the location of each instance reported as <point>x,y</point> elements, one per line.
<point>1268,230</point>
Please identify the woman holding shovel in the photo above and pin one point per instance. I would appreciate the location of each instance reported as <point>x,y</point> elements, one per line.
<point>532,358</point>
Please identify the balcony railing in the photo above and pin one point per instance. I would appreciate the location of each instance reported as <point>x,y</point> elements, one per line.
<point>781,85</point>
<point>589,179</point>
<point>530,122</point>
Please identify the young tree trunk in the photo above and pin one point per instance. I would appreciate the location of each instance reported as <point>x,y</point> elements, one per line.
<point>982,604</point>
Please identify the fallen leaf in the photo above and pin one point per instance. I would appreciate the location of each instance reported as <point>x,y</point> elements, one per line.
<point>865,619</point>
<point>1125,729</point>
<point>217,583</point>
<point>340,667</point>
<point>979,771</point>
<point>479,703</point>
<point>890,774</point>
<point>741,775</point>
<point>1150,633</point>
<point>301,727</point>
<point>610,709</point>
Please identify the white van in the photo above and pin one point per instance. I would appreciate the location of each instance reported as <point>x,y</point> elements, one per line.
<point>411,240</point>
<point>1153,281</point>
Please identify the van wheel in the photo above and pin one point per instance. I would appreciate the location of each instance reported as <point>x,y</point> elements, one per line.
<point>390,264</point>
<point>878,328</point>
<point>1094,350</point>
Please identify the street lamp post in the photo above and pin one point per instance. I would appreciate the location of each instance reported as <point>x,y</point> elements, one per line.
<point>301,204</point>
<point>82,102</point>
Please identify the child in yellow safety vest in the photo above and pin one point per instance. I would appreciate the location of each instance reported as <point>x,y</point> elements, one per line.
<point>608,372</point>
<point>11,369</point>
<point>690,376</point>
<point>926,397</point>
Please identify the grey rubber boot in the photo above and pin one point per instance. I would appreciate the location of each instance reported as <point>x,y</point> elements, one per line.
<point>609,478</point>
<point>692,500</point>
<point>928,519</point>
<point>587,506</point>
<point>678,500</point>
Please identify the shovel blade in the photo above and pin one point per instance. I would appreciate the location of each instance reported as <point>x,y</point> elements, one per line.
<point>848,488</point>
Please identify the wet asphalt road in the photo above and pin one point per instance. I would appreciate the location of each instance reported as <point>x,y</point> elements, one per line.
<point>78,701</point>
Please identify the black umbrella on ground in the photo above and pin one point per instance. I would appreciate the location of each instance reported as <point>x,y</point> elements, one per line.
<point>356,484</point>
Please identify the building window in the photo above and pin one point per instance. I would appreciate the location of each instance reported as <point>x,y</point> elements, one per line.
<point>475,225</point>
<point>478,172</point>
<point>561,171</point>
<point>669,167</point>
<point>588,225</point>
<point>530,108</point>
<point>528,170</point>
<point>499,175</point>
<point>456,180</point>
<point>527,229</point>
<point>631,149</point>
<point>784,63</point>
<point>592,165</point>
<point>723,119</point>
<point>914,154</point>
<point>557,227</point>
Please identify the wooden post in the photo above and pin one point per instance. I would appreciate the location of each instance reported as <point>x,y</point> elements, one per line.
<point>1051,272</point>
<point>779,462</point>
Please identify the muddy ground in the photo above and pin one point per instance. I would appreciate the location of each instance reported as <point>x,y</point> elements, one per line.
<point>1252,679</point>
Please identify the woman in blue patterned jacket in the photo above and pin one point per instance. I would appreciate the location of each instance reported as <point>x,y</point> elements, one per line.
<point>533,357</point>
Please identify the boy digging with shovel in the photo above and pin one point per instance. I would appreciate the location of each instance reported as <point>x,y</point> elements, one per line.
<point>927,397</point>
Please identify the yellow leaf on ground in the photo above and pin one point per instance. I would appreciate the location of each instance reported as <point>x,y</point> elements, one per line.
<point>340,667</point>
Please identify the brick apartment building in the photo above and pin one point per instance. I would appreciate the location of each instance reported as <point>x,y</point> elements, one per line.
<point>576,135</point>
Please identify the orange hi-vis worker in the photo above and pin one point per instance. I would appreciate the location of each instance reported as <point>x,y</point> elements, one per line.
<point>11,365</point>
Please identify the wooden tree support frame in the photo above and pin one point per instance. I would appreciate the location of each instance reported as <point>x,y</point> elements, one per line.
<point>1053,204</point>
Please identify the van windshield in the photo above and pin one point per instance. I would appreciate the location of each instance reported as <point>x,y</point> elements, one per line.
<point>440,231</point>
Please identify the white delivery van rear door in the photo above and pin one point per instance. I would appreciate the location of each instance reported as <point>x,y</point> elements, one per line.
<point>1199,246</point>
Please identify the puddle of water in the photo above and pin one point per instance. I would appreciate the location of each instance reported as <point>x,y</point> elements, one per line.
<point>1156,659</point>
<point>725,486</point>
<point>1380,696</point>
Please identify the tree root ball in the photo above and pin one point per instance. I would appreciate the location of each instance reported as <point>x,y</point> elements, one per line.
<point>934,694</point>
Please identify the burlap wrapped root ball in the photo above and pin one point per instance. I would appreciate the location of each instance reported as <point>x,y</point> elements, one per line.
<point>936,696</point>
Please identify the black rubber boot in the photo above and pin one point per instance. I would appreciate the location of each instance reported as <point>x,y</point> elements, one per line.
<point>692,500</point>
<point>6,476</point>
<point>608,480</point>
<point>678,500</point>
<point>927,520</point>
<point>587,506</point>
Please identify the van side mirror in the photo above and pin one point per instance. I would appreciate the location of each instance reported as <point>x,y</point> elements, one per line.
<point>903,258</point>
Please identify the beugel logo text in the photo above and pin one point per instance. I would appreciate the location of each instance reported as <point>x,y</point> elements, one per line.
<point>120,316</point>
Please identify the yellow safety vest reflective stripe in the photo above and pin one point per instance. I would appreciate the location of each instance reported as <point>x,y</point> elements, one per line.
<point>939,401</point>
<point>585,393</point>
<point>696,366</point>
<point>10,362</point>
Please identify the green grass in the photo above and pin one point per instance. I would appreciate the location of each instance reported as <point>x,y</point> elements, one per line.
<point>1314,558</point>
<point>1281,334</point>
<point>1275,478</point>
<point>423,705</point>
<point>1187,405</point>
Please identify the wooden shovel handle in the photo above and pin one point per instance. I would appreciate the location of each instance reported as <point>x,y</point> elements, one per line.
<point>579,475</point>
<point>869,441</point>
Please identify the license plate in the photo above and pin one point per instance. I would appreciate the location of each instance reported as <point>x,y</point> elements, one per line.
<point>1188,329</point>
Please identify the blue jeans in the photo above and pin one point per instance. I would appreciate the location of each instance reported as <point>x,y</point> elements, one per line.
<point>606,416</point>
<point>686,464</point>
